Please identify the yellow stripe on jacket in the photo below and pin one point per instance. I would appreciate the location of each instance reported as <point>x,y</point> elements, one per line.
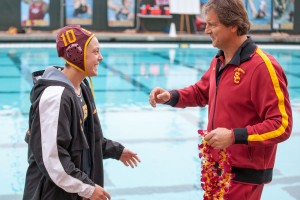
<point>284,122</point>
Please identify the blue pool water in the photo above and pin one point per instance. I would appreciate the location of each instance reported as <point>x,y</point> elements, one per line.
<point>164,138</point>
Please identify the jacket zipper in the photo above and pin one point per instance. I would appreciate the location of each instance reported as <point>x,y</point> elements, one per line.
<point>218,77</point>
<point>215,103</point>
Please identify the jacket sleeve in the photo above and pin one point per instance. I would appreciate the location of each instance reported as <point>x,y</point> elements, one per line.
<point>270,98</point>
<point>192,96</point>
<point>111,149</point>
<point>49,141</point>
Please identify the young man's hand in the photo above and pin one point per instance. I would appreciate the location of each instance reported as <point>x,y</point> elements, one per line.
<point>99,194</point>
<point>129,158</point>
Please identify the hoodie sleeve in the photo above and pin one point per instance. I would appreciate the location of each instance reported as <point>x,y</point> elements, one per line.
<point>270,98</point>
<point>50,139</point>
<point>111,149</point>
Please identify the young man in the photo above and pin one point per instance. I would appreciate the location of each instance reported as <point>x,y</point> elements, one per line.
<point>65,140</point>
<point>246,91</point>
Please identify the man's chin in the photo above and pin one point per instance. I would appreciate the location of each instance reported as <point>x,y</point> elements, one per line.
<point>95,72</point>
<point>214,44</point>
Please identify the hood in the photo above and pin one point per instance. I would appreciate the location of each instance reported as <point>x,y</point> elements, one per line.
<point>52,76</point>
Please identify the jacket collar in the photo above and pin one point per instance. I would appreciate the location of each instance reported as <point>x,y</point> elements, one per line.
<point>243,53</point>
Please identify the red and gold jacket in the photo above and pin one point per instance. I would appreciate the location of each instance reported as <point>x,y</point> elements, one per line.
<point>250,96</point>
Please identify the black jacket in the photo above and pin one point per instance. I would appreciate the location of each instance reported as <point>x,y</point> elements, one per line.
<point>56,141</point>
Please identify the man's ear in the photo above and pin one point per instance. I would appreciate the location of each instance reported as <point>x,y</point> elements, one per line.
<point>234,29</point>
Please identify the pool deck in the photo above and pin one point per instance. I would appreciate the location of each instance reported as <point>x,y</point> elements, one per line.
<point>133,36</point>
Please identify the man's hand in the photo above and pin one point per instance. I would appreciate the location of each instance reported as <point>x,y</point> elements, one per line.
<point>220,138</point>
<point>99,194</point>
<point>129,158</point>
<point>159,95</point>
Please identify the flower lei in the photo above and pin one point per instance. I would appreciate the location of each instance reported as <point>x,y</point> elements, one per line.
<point>215,186</point>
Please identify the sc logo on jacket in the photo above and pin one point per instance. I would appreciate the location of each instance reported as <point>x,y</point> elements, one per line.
<point>238,72</point>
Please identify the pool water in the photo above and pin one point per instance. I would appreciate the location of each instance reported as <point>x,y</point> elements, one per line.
<point>165,138</point>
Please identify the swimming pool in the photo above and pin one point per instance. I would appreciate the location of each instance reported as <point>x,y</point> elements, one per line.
<point>164,138</point>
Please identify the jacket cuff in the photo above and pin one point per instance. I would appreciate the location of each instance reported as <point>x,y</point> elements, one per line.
<point>174,98</point>
<point>119,152</point>
<point>87,192</point>
<point>241,135</point>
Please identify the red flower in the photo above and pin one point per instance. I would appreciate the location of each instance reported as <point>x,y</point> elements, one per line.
<point>215,187</point>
